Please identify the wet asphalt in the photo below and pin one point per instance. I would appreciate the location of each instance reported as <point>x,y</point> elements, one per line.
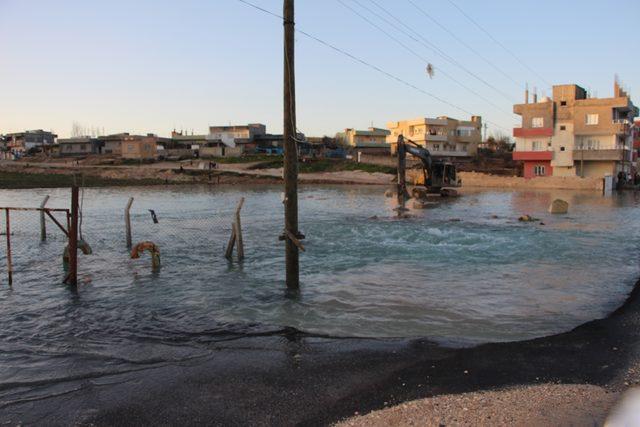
<point>291,378</point>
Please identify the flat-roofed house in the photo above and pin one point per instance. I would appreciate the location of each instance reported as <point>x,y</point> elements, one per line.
<point>140,147</point>
<point>79,146</point>
<point>236,140</point>
<point>19,143</point>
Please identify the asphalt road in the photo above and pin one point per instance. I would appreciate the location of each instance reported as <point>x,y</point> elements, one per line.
<point>289,378</point>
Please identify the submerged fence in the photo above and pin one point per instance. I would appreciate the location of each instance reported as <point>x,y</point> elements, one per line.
<point>44,243</point>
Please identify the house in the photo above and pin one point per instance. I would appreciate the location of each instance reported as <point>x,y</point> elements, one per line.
<point>190,142</point>
<point>443,136</point>
<point>20,143</point>
<point>112,144</point>
<point>370,140</point>
<point>140,147</point>
<point>80,146</point>
<point>575,135</point>
<point>236,140</point>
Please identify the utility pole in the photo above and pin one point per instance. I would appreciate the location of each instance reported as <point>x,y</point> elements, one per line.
<point>291,233</point>
<point>402,167</point>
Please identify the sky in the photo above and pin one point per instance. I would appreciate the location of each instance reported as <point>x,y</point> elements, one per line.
<point>149,66</point>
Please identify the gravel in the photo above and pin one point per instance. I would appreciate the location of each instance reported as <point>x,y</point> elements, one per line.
<point>539,405</point>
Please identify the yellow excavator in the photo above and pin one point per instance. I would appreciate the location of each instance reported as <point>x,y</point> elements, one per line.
<point>438,176</point>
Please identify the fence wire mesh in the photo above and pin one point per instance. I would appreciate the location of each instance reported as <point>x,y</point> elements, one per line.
<point>29,251</point>
<point>188,238</point>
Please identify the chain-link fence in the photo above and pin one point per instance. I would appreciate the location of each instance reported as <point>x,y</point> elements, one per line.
<point>35,241</point>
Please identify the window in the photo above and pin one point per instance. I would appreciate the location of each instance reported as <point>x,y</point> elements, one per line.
<point>563,103</point>
<point>536,146</point>
<point>563,128</point>
<point>436,147</point>
<point>539,170</point>
<point>561,148</point>
<point>592,119</point>
<point>537,122</point>
<point>590,144</point>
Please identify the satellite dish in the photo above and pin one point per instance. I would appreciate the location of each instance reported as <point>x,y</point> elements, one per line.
<point>430,70</point>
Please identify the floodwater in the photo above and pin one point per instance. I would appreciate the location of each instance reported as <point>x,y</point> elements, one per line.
<point>467,272</point>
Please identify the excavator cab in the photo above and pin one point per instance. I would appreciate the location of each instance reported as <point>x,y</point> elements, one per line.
<point>442,174</point>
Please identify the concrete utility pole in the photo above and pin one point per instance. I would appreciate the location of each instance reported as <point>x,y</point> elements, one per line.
<point>291,233</point>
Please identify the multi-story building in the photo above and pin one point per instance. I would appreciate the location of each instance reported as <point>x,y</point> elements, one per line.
<point>444,137</point>
<point>364,138</point>
<point>21,142</point>
<point>636,144</point>
<point>573,134</point>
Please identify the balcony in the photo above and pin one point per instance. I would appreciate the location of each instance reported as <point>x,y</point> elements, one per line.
<point>532,132</point>
<point>621,126</point>
<point>436,138</point>
<point>533,155</point>
<point>449,153</point>
<point>608,153</point>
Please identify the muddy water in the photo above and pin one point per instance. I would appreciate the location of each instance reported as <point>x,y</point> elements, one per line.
<point>464,273</point>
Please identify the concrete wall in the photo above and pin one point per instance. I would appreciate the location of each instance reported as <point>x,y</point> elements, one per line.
<point>144,148</point>
<point>221,151</point>
<point>598,169</point>
<point>473,179</point>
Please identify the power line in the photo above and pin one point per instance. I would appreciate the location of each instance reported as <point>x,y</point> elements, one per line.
<point>509,51</point>
<point>261,9</point>
<point>419,56</point>
<point>428,44</point>
<point>371,66</point>
<point>465,44</point>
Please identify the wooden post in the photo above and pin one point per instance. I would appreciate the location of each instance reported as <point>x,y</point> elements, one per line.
<point>290,151</point>
<point>402,178</point>
<point>127,222</point>
<point>73,239</point>
<point>238,231</point>
<point>43,225</point>
<point>9,263</point>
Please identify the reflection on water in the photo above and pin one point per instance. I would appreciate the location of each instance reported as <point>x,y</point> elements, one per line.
<point>481,277</point>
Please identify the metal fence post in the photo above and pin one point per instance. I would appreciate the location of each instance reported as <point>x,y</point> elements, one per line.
<point>9,264</point>
<point>43,225</point>
<point>127,222</point>
<point>73,239</point>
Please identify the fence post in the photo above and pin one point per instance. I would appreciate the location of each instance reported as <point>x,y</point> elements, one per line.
<point>232,241</point>
<point>73,239</point>
<point>236,235</point>
<point>238,230</point>
<point>9,263</point>
<point>127,222</point>
<point>43,225</point>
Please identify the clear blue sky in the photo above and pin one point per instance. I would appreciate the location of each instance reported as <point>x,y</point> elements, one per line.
<point>150,65</point>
